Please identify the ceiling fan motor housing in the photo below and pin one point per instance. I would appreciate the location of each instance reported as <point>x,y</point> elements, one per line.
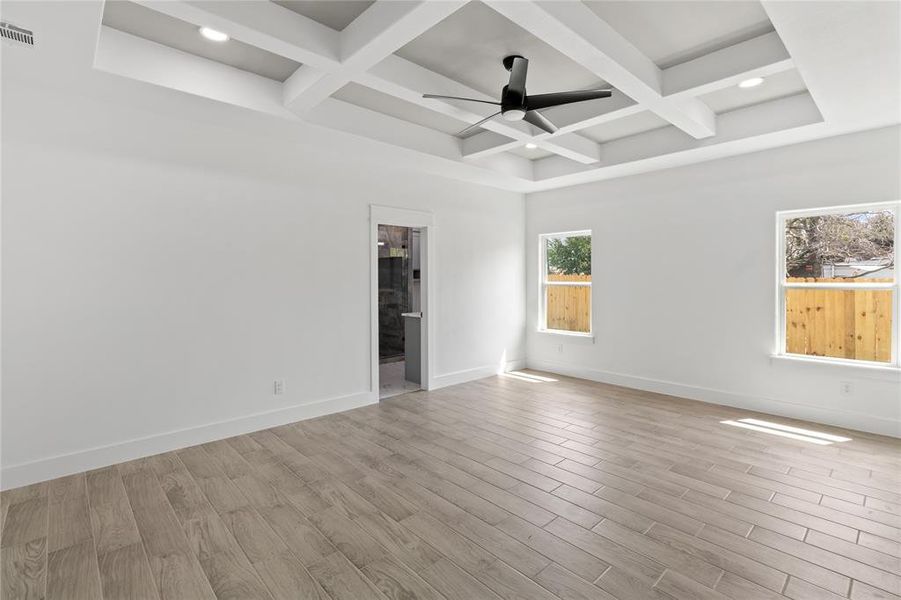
<point>513,106</point>
<point>513,102</point>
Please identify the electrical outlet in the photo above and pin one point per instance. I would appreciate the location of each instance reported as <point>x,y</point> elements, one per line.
<point>278,387</point>
<point>560,349</point>
<point>846,388</point>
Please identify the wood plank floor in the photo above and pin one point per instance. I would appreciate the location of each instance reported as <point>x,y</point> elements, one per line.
<point>507,488</point>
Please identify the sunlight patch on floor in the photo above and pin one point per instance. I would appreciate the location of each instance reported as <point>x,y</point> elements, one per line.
<point>530,377</point>
<point>807,432</point>
<point>779,432</point>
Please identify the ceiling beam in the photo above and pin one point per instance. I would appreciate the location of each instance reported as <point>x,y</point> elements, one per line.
<point>408,81</point>
<point>372,125</point>
<point>488,143</point>
<point>136,58</point>
<point>769,123</point>
<point>576,31</point>
<point>761,56</point>
<point>377,33</point>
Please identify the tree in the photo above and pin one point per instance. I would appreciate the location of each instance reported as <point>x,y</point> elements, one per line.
<point>812,241</point>
<point>569,255</point>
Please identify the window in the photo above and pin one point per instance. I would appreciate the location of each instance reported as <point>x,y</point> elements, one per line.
<point>566,282</point>
<point>838,284</point>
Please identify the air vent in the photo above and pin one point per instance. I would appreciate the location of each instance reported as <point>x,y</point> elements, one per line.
<point>16,36</point>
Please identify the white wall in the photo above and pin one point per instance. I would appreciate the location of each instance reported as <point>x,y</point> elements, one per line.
<point>166,258</point>
<point>684,292</point>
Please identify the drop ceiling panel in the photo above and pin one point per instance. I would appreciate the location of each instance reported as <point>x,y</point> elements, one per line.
<point>624,127</point>
<point>469,45</point>
<point>181,35</point>
<point>670,33</point>
<point>401,109</point>
<point>783,84</point>
<point>336,14</point>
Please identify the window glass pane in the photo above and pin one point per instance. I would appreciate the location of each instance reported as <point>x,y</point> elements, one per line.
<point>849,324</point>
<point>569,308</point>
<point>848,248</point>
<point>568,258</point>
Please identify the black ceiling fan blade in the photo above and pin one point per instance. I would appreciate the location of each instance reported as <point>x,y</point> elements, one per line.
<point>474,125</point>
<point>518,72</point>
<point>540,121</point>
<point>539,101</point>
<point>440,97</point>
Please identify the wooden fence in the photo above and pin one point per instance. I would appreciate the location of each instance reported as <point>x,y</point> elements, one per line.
<point>855,324</point>
<point>569,306</point>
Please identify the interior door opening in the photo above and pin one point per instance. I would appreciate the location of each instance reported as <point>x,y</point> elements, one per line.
<point>400,311</point>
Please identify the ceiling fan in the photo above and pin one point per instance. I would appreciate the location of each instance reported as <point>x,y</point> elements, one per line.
<point>516,105</point>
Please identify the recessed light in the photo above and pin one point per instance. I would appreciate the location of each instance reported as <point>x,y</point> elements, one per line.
<point>213,35</point>
<point>531,146</point>
<point>752,82</point>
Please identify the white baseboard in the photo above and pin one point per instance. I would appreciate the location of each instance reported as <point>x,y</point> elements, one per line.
<point>466,375</point>
<point>94,458</point>
<point>828,416</point>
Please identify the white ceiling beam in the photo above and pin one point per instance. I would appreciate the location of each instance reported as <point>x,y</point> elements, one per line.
<point>265,25</point>
<point>309,86</point>
<point>770,122</point>
<point>134,57</point>
<point>377,33</point>
<point>301,82</point>
<point>761,56</point>
<point>487,143</point>
<point>574,117</point>
<point>576,31</point>
<point>360,121</point>
<point>357,120</point>
<point>408,81</point>
<point>571,146</point>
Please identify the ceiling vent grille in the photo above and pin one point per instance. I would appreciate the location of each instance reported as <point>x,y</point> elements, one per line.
<point>16,36</point>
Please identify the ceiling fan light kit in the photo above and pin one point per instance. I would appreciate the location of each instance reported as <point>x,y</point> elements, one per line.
<point>517,105</point>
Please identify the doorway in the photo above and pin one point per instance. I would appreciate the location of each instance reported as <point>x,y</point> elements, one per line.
<point>400,316</point>
<point>400,310</point>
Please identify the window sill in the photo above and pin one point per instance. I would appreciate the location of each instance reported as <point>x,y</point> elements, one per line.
<point>588,337</point>
<point>853,369</point>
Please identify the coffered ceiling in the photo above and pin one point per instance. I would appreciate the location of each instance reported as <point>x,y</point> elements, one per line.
<point>361,68</point>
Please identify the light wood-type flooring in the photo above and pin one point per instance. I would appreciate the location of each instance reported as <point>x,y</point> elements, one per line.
<point>509,487</point>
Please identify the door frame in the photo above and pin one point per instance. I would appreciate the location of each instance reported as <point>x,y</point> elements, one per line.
<point>425,222</point>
